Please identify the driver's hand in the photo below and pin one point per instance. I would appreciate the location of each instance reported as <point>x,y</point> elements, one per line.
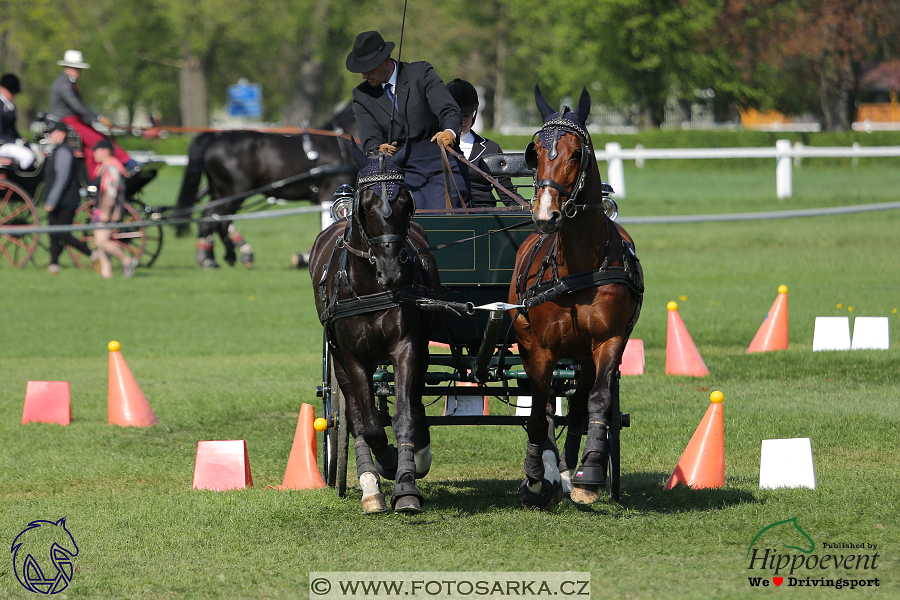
<point>389,149</point>
<point>445,137</point>
<point>106,122</point>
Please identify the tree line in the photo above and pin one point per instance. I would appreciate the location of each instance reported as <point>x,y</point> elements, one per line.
<point>175,58</point>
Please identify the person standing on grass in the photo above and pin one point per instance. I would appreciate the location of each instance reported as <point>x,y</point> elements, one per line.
<point>110,207</point>
<point>61,180</point>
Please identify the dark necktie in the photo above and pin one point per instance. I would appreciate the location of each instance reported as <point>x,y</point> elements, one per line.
<point>390,93</point>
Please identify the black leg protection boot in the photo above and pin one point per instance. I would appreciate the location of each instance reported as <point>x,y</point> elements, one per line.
<point>386,462</point>
<point>406,498</point>
<point>372,499</point>
<point>534,472</point>
<point>595,473</point>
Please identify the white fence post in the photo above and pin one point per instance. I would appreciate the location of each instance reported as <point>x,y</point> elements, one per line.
<point>783,166</point>
<point>615,169</point>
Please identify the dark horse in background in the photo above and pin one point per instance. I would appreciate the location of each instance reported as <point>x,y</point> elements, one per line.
<point>582,288</point>
<point>367,270</point>
<point>238,161</point>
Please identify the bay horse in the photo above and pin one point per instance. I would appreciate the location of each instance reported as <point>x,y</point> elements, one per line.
<point>238,161</point>
<point>367,271</point>
<point>582,287</point>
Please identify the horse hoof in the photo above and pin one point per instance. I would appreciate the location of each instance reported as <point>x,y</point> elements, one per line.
<point>374,504</point>
<point>409,505</point>
<point>585,494</point>
<point>539,500</point>
<point>248,264</point>
<point>209,263</point>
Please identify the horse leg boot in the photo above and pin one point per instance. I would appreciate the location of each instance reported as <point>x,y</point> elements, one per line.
<point>243,246</point>
<point>542,485</point>
<point>591,475</point>
<point>406,498</point>
<point>570,457</point>
<point>372,499</point>
<point>205,256</point>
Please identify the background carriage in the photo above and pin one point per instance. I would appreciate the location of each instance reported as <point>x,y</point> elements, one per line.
<point>21,201</point>
<point>472,354</point>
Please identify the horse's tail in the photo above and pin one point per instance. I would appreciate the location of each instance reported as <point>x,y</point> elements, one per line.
<point>187,197</point>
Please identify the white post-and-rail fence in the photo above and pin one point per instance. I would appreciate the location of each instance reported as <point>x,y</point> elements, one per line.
<point>785,155</point>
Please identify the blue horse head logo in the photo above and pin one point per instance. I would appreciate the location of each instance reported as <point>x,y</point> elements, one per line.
<point>788,533</point>
<point>43,556</point>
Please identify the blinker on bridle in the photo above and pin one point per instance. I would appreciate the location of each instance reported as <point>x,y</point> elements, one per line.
<point>550,134</point>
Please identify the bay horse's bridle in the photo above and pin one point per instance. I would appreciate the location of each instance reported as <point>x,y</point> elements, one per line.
<point>550,134</point>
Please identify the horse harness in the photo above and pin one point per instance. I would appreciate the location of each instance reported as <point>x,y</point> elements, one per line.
<point>418,293</point>
<point>550,134</point>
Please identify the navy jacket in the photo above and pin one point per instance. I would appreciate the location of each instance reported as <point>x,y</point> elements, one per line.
<point>8,132</point>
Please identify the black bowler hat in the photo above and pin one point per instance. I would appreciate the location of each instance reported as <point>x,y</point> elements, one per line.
<point>465,95</point>
<point>369,51</point>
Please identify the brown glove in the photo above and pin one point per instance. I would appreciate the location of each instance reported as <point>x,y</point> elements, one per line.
<point>445,137</point>
<point>106,122</point>
<point>388,149</point>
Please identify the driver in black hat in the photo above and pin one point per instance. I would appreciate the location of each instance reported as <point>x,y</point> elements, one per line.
<point>12,145</point>
<point>407,101</point>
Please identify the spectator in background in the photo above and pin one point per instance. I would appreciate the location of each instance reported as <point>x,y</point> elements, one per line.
<point>110,207</point>
<point>12,145</point>
<point>473,146</point>
<point>61,180</point>
<point>66,105</point>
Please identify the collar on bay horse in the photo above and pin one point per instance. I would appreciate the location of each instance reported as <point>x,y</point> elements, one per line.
<point>565,121</point>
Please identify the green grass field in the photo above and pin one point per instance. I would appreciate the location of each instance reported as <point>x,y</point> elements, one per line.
<point>231,354</point>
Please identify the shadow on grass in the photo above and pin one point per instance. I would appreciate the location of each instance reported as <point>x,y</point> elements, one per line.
<point>643,492</point>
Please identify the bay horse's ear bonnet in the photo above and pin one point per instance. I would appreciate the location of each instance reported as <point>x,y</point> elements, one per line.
<point>558,123</point>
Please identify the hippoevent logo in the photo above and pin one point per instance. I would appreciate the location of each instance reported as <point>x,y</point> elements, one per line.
<point>783,554</point>
<point>43,555</point>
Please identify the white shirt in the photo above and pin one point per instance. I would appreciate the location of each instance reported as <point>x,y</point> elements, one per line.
<point>466,141</point>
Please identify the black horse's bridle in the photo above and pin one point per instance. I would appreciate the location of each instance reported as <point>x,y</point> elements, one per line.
<point>552,131</point>
<point>384,180</point>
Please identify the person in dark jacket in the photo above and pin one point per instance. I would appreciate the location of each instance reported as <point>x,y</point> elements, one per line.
<point>410,103</point>
<point>474,146</point>
<point>62,200</point>
<point>12,145</point>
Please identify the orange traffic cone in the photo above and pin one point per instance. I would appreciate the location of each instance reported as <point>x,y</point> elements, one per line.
<point>773,333</point>
<point>302,471</point>
<point>682,357</point>
<point>702,464</point>
<point>127,404</point>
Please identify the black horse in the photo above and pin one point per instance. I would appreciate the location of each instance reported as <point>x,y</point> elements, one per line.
<point>236,162</point>
<point>369,272</point>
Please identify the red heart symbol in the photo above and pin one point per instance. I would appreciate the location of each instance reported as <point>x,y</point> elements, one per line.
<point>777,580</point>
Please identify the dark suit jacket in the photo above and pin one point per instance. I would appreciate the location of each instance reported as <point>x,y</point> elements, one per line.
<point>61,179</point>
<point>424,107</point>
<point>481,187</point>
<point>8,132</point>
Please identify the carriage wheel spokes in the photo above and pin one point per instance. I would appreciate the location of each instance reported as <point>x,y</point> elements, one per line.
<point>132,241</point>
<point>154,235</point>
<point>17,208</point>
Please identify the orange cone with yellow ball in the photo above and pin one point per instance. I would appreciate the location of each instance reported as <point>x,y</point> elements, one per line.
<point>702,464</point>
<point>773,333</point>
<point>128,406</point>
<point>302,471</point>
<point>682,357</point>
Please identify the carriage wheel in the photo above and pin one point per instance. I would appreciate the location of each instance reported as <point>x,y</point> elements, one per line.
<point>613,438</point>
<point>16,208</point>
<point>154,235</point>
<point>132,241</point>
<point>335,439</point>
